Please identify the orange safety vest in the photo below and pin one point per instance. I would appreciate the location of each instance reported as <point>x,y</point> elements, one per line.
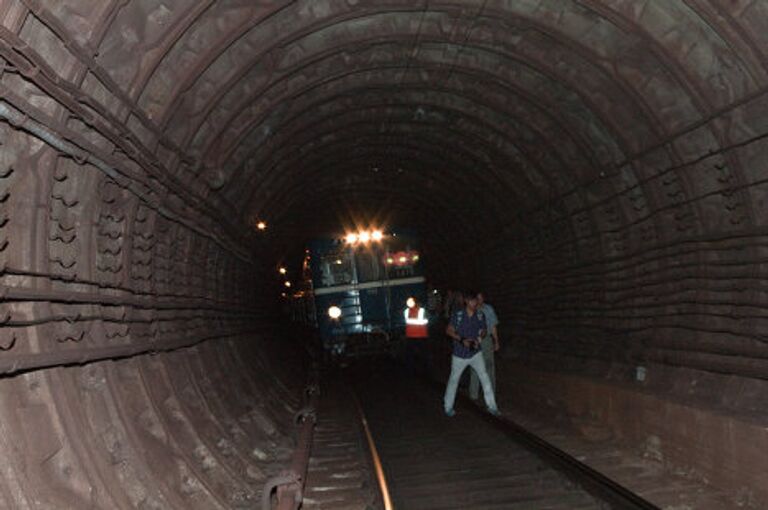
<point>415,323</point>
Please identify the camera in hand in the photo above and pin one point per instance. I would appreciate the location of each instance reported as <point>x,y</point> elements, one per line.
<point>473,343</point>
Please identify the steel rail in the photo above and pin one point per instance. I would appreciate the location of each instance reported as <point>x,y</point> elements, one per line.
<point>289,485</point>
<point>591,480</point>
<point>381,479</point>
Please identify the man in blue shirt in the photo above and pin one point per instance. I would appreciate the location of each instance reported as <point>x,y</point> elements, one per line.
<point>489,345</point>
<point>467,328</point>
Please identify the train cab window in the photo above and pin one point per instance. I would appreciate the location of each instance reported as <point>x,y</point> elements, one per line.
<point>368,266</point>
<point>336,268</point>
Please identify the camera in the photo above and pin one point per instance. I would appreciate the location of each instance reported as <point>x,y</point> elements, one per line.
<point>473,343</point>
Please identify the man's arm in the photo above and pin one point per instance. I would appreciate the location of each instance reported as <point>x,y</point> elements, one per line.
<point>451,332</point>
<point>495,335</point>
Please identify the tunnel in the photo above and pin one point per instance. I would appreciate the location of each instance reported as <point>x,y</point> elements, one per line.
<point>597,167</point>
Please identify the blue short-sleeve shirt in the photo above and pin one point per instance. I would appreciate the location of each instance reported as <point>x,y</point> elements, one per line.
<point>467,326</point>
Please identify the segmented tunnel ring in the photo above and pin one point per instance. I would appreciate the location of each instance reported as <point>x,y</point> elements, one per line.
<point>597,166</point>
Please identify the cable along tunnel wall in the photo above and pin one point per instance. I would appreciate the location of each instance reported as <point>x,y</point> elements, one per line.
<point>611,154</point>
<point>106,254</point>
<point>91,271</point>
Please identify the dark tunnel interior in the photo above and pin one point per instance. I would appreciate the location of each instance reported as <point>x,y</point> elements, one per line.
<point>599,167</point>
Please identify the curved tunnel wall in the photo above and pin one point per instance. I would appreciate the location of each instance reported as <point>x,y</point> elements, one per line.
<point>598,167</point>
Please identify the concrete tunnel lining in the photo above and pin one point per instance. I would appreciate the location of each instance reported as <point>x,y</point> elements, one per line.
<point>614,151</point>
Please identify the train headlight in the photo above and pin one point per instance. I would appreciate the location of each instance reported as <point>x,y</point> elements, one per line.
<point>377,235</point>
<point>334,312</point>
<point>365,236</point>
<point>351,238</point>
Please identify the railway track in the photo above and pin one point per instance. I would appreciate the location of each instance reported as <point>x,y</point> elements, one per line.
<point>473,460</point>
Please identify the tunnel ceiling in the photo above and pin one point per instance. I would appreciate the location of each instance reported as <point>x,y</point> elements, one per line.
<point>549,135</point>
<point>553,134</point>
<point>278,109</point>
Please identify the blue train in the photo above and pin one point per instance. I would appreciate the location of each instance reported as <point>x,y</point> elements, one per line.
<point>355,290</point>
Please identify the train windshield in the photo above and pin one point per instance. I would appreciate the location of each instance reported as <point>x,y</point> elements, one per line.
<point>369,267</point>
<point>336,268</point>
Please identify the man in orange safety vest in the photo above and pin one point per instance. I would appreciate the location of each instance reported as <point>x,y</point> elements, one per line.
<point>415,320</point>
<point>417,356</point>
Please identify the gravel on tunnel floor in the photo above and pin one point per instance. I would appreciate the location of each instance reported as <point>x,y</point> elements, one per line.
<point>432,461</point>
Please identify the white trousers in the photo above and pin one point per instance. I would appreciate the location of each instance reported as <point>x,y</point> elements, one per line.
<point>490,367</point>
<point>458,365</point>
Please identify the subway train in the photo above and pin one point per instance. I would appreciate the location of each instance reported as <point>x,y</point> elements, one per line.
<point>355,288</point>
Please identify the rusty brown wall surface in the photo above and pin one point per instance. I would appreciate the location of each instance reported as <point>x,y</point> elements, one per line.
<point>722,449</point>
<point>602,161</point>
<point>200,428</point>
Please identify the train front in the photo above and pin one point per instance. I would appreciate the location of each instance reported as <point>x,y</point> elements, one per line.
<point>360,285</point>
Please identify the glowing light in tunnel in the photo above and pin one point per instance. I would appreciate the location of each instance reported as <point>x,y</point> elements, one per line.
<point>364,236</point>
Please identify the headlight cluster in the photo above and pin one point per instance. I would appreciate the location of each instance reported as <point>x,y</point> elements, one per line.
<point>364,237</point>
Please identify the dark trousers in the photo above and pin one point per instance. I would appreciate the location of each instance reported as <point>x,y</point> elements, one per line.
<point>418,360</point>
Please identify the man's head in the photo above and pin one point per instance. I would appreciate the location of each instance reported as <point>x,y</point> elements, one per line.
<point>480,299</point>
<point>470,300</point>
